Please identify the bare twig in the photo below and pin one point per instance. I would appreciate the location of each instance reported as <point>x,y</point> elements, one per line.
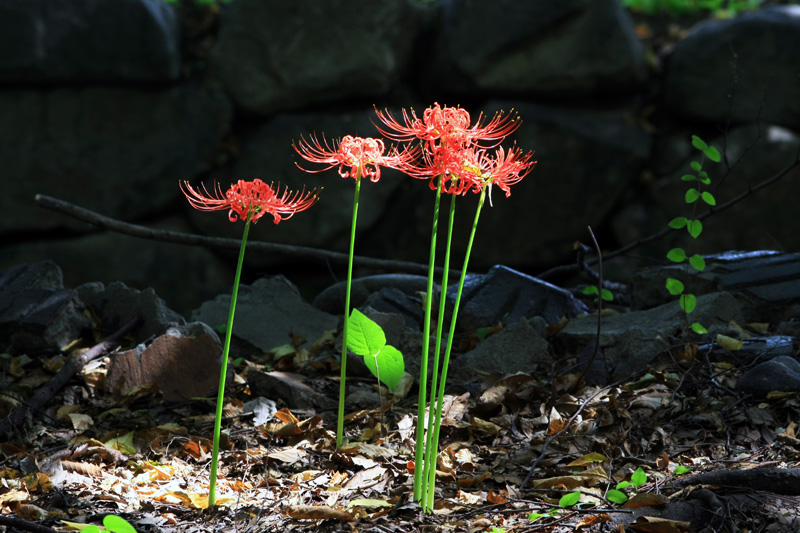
<point>599,306</point>
<point>177,237</point>
<point>656,236</point>
<point>72,367</point>
<point>18,524</point>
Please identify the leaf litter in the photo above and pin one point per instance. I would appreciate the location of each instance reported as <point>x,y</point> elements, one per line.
<point>147,459</point>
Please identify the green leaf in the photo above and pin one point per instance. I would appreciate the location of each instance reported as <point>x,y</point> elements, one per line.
<point>692,195</point>
<point>688,177</point>
<point>699,143</point>
<point>696,166</point>
<point>678,222</point>
<point>688,302</point>
<point>697,262</point>
<point>712,153</point>
<point>623,484</point>
<point>116,524</point>
<point>676,255</point>
<point>482,332</point>
<point>695,228</point>
<point>704,179</point>
<point>590,289</point>
<point>123,444</point>
<point>709,198</point>
<point>91,529</point>
<point>535,516</point>
<point>364,336</point>
<point>616,496</point>
<point>387,365</point>
<point>674,286</point>
<point>681,469</point>
<point>698,328</point>
<point>607,295</point>
<point>570,499</point>
<point>638,478</point>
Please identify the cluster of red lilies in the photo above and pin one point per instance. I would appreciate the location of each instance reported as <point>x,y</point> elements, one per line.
<point>464,156</point>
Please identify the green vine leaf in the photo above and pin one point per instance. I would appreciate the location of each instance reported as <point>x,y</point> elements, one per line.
<point>675,286</point>
<point>695,228</point>
<point>569,499</point>
<point>688,177</point>
<point>607,295</point>
<point>699,143</point>
<point>688,302</point>
<point>697,167</point>
<point>692,195</point>
<point>698,328</point>
<point>678,222</point>
<point>697,262</point>
<point>387,365</point>
<point>712,153</point>
<point>639,477</point>
<point>616,496</point>
<point>709,198</point>
<point>364,336</point>
<point>676,255</point>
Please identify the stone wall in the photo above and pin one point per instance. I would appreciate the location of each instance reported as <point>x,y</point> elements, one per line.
<point>110,105</point>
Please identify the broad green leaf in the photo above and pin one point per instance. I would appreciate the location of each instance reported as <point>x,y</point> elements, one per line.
<point>607,295</point>
<point>702,175</point>
<point>709,198</point>
<point>638,478</point>
<point>364,336</point>
<point>590,289</point>
<point>674,286</point>
<point>91,528</point>
<point>698,328</point>
<point>688,177</point>
<point>705,180</point>
<point>569,499</point>
<point>616,496</point>
<point>681,469</point>
<point>688,302</point>
<point>695,228</point>
<point>697,262</point>
<point>390,366</point>
<point>535,516</point>
<point>692,195</point>
<point>123,444</point>
<point>117,524</point>
<point>623,484</point>
<point>699,143</point>
<point>678,222</point>
<point>676,255</point>
<point>712,153</point>
<point>696,166</point>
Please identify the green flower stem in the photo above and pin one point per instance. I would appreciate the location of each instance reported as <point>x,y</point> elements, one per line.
<point>342,388</point>
<point>446,363</point>
<point>419,449</point>
<point>224,370</point>
<point>430,455</point>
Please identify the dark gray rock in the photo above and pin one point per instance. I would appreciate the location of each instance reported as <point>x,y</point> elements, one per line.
<point>780,374</point>
<point>507,296</point>
<point>753,58</point>
<point>630,340</point>
<point>36,312</point>
<point>517,348</point>
<point>268,313</point>
<point>537,47</point>
<point>391,300</point>
<point>118,151</point>
<point>331,300</point>
<point>88,41</point>
<point>272,55</point>
<point>116,304</point>
<point>288,387</point>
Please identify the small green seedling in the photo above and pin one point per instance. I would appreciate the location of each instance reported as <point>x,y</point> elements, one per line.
<point>681,469</point>
<point>112,523</point>
<point>366,338</point>
<point>694,227</point>
<point>591,290</point>
<point>638,479</point>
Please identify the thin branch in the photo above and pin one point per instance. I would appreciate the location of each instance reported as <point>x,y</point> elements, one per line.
<point>599,307</point>
<point>656,236</point>
<point>177,237</point>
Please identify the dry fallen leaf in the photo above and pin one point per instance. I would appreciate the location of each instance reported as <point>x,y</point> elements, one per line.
<point>318,512</point>
<point>645,499</point>
<point>651,524</point>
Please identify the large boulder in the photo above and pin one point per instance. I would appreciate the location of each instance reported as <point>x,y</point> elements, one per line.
<point>740,69</point>
<point>117,151</point>
<point>274,55</point>
<point>88,41</point>
<point>539,47</point>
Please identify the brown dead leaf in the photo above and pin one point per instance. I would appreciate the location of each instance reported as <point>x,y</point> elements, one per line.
<point>651,524</point>
<point>286,416</point>
<point>318,512</point>
<point>593,520</point>
<point>470,498</point>
<point>588,459</point>
<point>488,427</point>
<point>592,476</point>
<point>553,329</point>
<point>365,478</point>
<point>496,497</point>
<point>13,497</point>
<point>645,499</point>
<point>469,482</point>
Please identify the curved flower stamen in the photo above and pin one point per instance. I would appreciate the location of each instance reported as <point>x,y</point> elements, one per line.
<point>251,199</point>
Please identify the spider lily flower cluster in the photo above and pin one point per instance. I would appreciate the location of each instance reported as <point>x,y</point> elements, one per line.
<point>455,156</point>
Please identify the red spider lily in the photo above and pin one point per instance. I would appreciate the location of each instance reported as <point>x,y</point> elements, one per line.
<point>251,199</point>
<point>446,126</point>
<point>356,157</point>
<point>503,168</point>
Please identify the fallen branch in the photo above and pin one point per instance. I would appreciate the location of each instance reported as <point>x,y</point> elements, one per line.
<point>656,236</point>
<point>784,481</point>
<point>177,237</point>
<point>57,382</point>
<point>18,524</point>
